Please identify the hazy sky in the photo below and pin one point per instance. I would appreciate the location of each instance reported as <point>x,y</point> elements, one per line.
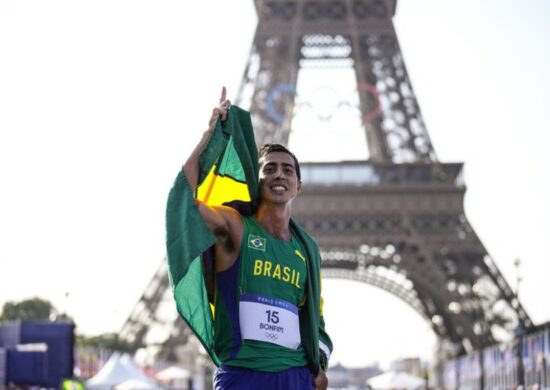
<point>101,102</point>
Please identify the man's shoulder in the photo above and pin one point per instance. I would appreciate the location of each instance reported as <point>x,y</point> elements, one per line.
<point>233,220</point>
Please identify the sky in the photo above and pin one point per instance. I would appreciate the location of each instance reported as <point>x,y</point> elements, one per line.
<point>101,102</point>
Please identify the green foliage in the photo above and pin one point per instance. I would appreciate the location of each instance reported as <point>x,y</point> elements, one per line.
<point>28,310</point>
<point>109,341</point>
<point>33,309</point>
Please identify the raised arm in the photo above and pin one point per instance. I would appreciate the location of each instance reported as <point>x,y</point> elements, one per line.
<point>225,222</point>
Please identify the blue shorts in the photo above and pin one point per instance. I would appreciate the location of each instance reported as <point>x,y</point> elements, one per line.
<point>229,378</point>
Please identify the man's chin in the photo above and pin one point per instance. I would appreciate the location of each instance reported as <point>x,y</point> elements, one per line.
<point>275,199</point>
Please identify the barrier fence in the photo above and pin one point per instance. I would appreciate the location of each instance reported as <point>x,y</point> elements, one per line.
<point>524,362</point>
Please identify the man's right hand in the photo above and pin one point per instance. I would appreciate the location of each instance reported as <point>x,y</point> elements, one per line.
<point>219,112</point>
<point>223,109</point>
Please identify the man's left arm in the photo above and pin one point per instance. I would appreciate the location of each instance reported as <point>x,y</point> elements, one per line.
<point>325,349</point>
<point>325,343</point>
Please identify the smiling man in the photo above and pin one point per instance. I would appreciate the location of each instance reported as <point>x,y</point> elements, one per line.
<point>268,329</point>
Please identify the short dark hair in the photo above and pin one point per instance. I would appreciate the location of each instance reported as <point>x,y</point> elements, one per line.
<point>270,148</point>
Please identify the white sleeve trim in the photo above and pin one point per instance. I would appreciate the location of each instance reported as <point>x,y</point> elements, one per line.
<point>325,349</point>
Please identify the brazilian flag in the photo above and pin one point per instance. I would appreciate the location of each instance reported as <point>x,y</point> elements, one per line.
<point>228,175</point>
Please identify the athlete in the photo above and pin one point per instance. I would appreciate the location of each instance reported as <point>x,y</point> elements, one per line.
<point>261,278</point>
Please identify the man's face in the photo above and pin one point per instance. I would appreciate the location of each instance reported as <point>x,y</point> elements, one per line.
<point>278,180</point>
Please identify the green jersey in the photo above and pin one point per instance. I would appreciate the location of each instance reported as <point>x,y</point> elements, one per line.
<point>258,303</point>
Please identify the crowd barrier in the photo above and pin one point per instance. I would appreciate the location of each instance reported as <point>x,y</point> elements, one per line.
<point>523,363</point>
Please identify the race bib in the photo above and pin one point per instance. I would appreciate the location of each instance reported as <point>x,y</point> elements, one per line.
<point>270,320</point>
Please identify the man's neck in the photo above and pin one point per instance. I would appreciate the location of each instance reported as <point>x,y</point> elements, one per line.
<point>275,220</point>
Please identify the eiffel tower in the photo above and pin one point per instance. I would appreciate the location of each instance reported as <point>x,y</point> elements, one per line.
<point>396,220</point>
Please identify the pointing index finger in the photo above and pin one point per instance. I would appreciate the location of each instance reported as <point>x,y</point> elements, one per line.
<point>224,92</point>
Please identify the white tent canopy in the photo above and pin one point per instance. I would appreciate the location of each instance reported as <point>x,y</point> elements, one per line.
<point>119,369</point>
<point>396,380</point>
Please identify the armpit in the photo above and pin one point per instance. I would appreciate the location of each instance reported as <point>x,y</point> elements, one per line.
<point>224,239</point>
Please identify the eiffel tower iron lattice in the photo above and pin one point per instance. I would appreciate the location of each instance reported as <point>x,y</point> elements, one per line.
<point>395,221</point>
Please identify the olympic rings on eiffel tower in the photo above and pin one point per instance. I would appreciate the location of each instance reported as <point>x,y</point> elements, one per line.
<point>280,89</point>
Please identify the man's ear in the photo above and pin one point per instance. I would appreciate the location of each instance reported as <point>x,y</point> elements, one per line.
<point>299,186</point>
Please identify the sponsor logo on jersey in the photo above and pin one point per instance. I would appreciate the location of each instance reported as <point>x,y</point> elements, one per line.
<point>256,242</point>
<point>299,254</point>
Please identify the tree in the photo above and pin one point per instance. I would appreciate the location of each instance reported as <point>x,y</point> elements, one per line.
<point>33,309</point>
<point>109,341</point>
